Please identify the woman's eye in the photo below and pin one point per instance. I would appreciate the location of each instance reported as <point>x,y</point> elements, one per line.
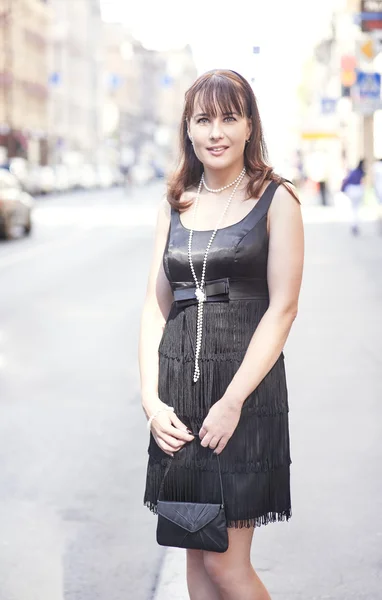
<point>205,119</point>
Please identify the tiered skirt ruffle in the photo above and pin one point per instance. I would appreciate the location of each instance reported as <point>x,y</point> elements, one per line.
<point>255,463</point>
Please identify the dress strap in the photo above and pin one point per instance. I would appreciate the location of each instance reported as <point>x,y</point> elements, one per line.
<point>266,199</point>
<point>260,209</point>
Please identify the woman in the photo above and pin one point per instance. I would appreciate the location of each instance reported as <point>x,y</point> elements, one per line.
<point>353,187</point>
<point>222,296</point>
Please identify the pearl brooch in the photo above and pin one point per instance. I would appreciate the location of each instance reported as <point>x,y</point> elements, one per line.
<point>199,291</point>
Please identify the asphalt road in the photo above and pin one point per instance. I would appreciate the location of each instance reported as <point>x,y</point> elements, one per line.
<point>72,433</point>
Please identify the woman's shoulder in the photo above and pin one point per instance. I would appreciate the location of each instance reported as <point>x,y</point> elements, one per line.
<point>285,202</point>
<point>187,198</point>
<point>163,214</point>
<point>285,191</point>
<point>166,208</point>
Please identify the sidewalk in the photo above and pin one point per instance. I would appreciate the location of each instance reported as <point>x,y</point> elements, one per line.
<point>332,546</point>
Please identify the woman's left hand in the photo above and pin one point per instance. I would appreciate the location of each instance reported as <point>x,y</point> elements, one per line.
<point>219,425</point>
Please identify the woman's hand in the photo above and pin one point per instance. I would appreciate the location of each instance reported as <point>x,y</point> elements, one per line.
<point>219,425</point>
<point>169,432</point>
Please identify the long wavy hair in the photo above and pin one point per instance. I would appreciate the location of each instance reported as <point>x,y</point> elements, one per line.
<point>221,91</point>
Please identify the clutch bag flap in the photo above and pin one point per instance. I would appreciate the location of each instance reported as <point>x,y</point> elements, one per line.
<point>190,516</point>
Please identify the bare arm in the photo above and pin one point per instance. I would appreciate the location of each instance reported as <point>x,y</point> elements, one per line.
<point>169,432</point>
<point>155,311</point>
<point>285,267</point>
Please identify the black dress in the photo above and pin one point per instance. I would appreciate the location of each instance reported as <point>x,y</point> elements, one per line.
<point>255,463</point>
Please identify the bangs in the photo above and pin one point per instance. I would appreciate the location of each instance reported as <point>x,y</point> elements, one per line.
<point>217,95</point>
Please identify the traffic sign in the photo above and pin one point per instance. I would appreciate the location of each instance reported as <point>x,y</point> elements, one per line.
<point>167,81</point>
<point>328,106</point>
<point>366,50</point>
<point>369,84</point>
<point>348,66</point>
<point>371,15</point>
<point>115,81</point>
<point>55,78</point>
<point>366,93</point>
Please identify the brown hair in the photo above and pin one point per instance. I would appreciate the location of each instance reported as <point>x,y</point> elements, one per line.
<point>226,91</point>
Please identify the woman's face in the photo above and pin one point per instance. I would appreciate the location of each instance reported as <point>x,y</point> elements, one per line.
<point>218,141</point>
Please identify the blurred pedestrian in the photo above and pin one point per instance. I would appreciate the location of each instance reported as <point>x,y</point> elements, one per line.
<point>377,183</point>
<point>221,299</point>
<point>353,187</point>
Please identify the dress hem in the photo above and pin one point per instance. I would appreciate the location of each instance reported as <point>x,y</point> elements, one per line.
<point>265,519</point>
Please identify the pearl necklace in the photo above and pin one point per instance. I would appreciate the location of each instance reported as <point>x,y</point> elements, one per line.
<point>225,186</point>
<point>199,292</point>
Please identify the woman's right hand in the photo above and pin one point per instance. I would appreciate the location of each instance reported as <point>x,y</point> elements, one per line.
<point>169,432</point>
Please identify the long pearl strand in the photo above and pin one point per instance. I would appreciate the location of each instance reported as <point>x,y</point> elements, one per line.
<point>225,186</point>
<point>199,292</point>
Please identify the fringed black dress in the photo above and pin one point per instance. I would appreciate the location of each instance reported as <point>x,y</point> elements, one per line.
<point>255,463</point>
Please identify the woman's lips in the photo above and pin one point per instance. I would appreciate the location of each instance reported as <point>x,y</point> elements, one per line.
<point>217,150</point>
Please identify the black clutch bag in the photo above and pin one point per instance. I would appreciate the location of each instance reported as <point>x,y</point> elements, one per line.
<point>191,524</point>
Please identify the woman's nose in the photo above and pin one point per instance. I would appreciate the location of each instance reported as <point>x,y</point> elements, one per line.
<point>215,132</point>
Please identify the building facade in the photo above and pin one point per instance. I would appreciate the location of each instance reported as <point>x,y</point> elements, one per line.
<point>332,123</point>
<point>75,90</point>
<point>75,82</point>
<point>145,95</point>
<point>24,35</point>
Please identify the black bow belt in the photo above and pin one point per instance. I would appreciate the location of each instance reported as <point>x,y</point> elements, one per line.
<point>221,290</point>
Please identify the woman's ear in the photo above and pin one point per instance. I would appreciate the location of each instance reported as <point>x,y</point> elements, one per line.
<point>188,128</point>
<point>249,129</point>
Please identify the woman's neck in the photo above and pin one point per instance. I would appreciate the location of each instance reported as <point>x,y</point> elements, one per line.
<point>218,178</point>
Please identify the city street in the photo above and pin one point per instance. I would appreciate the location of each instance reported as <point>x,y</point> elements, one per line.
<point>101,100</point>
<point>72,432</point>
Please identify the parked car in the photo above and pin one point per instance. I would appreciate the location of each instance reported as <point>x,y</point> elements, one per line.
<point>141,173</point>
<point>87,177</point>
<point>105,177</point>
<point>39,180</point>
<point>62,182</point>
<point>46,179</point>
<point>31,183</point>
<point>15,205</point>
<point>18,166</point>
